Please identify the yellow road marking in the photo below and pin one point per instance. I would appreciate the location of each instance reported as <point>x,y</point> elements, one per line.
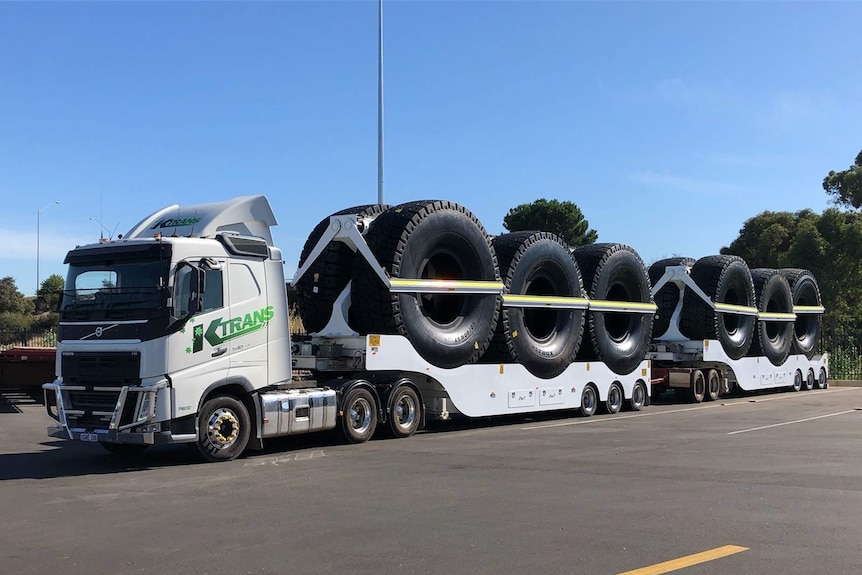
<point>687,561</point>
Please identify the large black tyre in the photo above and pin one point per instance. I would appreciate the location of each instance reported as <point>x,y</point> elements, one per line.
<point>667,298</point>
<point>327,277</point>
<point>543,340</point>
<point>806,330</point>
<point>615,272</point>
<point>772,338</point>
<point>429,240</point>
<point>224,429</point>
<point>724,279</point>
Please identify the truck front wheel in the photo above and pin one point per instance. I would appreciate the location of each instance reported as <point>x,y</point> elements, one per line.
<point>224,428</point>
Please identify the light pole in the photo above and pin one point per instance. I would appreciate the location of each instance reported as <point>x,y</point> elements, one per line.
<point>38,221</point>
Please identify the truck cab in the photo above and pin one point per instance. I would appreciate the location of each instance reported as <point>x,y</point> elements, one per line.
<point>188,306</point>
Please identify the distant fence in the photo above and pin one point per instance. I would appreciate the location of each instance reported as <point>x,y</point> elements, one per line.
<point>844,345</point>
<point>29,338</point>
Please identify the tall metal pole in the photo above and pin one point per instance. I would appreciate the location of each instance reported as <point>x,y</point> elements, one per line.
<point>379,101</point>
<point>38,225</point>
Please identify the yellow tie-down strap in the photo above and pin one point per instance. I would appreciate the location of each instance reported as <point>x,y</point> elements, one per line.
<point>552,301</point>
<point>776,316</point>
<point>405,285</point>
<point>622,306</point>
<point>809,309</point>
<point>565,302</point>
<point>737,309</point>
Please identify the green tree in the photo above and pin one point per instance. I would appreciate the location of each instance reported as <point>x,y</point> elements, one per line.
<point>11,300</point>
<point>564,219</point>
<point>49,293</point>
<point>830,245</point>
<point>846,185</point>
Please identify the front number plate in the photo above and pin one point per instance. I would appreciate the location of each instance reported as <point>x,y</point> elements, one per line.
<point>89,437</point>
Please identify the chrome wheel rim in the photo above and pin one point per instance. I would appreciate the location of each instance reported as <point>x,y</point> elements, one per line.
<point>360,415</point>
<point>222,428</point>
<point>405,412</point>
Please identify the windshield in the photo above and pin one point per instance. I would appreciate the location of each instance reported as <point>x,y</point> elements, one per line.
<point>116,289</point>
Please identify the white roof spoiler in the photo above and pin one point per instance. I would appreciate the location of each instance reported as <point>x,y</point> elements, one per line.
<point>245,215</point>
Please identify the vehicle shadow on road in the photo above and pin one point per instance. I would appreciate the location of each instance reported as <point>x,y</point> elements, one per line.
<point>75,459</point>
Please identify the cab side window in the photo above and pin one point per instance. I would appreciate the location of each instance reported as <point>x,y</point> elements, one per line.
<point>213,296</point>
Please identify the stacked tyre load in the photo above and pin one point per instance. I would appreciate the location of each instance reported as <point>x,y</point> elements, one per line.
<point>805,293</point>
<point>615,273</point>
<point>773,336</point>
<point>667,298</point>
<point>329,273</point>
<point>726,281</point>
<point>429,239</point>
<point>544,340</point>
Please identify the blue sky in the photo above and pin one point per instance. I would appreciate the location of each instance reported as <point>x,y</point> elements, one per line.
<point>668,123</point>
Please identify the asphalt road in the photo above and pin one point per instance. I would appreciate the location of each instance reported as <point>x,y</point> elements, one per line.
<point>777,475</point>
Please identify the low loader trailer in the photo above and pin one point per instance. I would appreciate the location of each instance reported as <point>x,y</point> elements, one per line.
<point>179,331</point>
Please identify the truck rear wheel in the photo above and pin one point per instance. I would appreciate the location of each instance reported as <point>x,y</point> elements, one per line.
<point>639,396</point>
<point>697,388</point>
<point>797,381</point>
<point>358,415</point>
<point>589,400</point>
<point>614,402</point>
<point>615,272</point>
<point>544,340</point>
<point>405,411</point>
<point>429,240</point>
<point>809,381</point>
<point>224,429</point>
<point>713,385</point>
<point>822,383</point>
<point>806,329</point>
<point>724,279</point>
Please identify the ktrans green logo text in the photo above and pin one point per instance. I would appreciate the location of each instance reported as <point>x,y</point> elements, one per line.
<point>221,330</point>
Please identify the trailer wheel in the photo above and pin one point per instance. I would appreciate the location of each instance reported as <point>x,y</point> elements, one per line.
<point>224,429</point>
<point>806,329</point>
<point>773,338</point>
<point>614,402</point>
<point>405,411</point>
<point>544,340</point>
<point>124,449</point>
<point>697,389</point>
<point>797,380</point>
<point>667,298</point>
<point>713,385</point>
<point>429,240</point>
<point>822,383</point>
<point>616,272</point>
<point>317,290</point>
<point>810,380</point>
<point>724,279</point>
<point>358,415</point>
<point>639,396</point>
<point>589,400</point>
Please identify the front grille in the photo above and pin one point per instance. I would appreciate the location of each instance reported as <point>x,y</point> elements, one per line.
<point>93,400</point>
<point>89,422</point>
<point>114,368</point>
